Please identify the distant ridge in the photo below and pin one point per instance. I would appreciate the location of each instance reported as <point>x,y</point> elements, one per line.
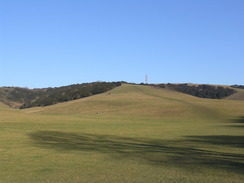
<point>17,97</point>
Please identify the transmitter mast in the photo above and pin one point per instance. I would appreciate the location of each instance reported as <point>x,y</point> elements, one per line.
<point>146,79</point>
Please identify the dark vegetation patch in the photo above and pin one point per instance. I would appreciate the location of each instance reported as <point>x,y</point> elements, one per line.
<point>72,92</point>
<point>202,91</point>
<point>180,153</point>
<point>238,86</point>
<point>25,98</point>
<point>16,96</point>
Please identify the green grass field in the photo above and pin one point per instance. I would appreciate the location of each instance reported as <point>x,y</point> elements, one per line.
<point>129,134</point>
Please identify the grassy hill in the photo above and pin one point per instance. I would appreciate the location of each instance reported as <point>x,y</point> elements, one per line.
<point>132,133</point>
<point>26,98</point>
<point>144,101</point>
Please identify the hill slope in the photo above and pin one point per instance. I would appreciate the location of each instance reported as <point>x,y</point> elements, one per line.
<point>145,101</point>
<point>239,95</point>
<point>25,98</point>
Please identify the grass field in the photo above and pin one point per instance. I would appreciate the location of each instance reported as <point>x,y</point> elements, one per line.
<point>129,134</point>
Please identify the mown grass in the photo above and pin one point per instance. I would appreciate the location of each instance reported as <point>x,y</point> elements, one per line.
<point>130,134</point>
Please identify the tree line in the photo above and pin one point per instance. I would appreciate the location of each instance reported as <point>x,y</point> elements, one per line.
<point>202,91</point>
<point>238,86</point>
<point>26,98</point>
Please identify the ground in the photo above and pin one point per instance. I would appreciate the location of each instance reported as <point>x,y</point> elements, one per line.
<point>130,134</point>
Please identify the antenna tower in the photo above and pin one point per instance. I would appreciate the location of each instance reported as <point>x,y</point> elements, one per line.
<point>146,79</point>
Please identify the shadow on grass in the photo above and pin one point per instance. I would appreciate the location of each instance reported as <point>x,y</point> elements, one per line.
<point>158,152</point>
<point>225,140</point>
<point>236,126</point>
<point>237,123</point>
<point>239,120</point>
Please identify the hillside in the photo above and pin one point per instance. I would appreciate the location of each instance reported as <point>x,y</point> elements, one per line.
<point>16,97</point>
<point>239,95</point>
<point>144,101</point>
<point>25,98</point>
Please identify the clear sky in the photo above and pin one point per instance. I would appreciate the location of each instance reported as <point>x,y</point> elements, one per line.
<point>47,43</point>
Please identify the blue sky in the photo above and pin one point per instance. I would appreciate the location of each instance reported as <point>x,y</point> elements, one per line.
<point>47,43</point>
